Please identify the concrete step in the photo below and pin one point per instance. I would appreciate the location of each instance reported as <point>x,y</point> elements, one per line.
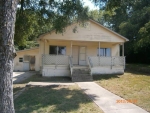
<point>82,77</point>
<point>81,71</point>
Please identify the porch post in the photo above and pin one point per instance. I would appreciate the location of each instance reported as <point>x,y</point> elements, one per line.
<point>123,55</point>
<point>122,49</point>
<point>44,46</point>
<point>71,49</point>
<point>99,51</point>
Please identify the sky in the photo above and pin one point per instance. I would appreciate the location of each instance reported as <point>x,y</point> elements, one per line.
<point>89,4</point>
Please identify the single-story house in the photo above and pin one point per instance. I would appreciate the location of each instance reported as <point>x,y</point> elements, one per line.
<point>88,46</point>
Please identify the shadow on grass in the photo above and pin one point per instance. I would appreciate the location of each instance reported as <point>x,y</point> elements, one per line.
<point>50,99</point>
<point>100,77</point>
<point>40,78</point>
<point>138,69</point>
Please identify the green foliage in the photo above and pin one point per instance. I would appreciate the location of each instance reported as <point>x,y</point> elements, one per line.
<point>28,27</point>
<point>97,15</point>
<point>35,17</point>
<point>145,34</point>
<point>130,18</point>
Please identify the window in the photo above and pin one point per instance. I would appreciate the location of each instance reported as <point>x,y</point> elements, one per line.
<point>20,59</point>
<point>57,50</point>
<point>26,58</point>
<point>104,52</point>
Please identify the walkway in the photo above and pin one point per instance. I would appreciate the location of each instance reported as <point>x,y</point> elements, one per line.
<point>106,100</point>
<point>47,83</point>
<point>18,77</point>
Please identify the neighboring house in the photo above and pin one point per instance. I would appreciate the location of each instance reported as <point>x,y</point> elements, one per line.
<point>91,46</point>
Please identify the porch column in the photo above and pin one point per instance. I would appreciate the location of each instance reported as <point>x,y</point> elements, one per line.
<point>99,51</point>
<point>123,55</point>
<point>122,49</point>
<point>71,49</point>
<point>44,46</point>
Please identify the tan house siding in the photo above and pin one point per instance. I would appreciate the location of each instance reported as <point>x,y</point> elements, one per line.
<point>115,50</point>
<point>18,66</point>
<point>92,33</point>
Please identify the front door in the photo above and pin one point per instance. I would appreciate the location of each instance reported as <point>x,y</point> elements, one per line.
<point>82,56</point>
<point>75,55</point>
<point>26,66</point>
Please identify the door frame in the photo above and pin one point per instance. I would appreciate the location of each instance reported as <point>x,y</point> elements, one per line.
<point>77,54</point>
<point>85,56</point>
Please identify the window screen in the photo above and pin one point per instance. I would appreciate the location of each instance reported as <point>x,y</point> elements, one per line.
<point>104,52</point>
<point>26,58</point>
<point>57,50</point>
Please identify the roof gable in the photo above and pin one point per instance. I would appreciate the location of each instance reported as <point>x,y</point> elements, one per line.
<point>92,31</point>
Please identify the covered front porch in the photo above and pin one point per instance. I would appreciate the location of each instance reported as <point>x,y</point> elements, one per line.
<point>69,58</point>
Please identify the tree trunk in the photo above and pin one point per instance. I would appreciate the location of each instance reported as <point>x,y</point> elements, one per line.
<point>7,54</point>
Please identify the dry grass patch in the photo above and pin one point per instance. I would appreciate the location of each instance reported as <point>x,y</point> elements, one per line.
<point>55,99</point>
<point>131,85</point>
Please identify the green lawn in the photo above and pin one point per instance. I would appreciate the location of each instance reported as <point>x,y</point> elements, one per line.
<point>134,84</point>
<point>55,99</point>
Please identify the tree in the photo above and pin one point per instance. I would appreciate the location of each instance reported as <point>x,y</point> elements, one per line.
<point>7,53</point>
<point>131,18</point>
<point>35,18</point>
<point>135,27</point>
<point>67,12</point>
<point>97,15</point>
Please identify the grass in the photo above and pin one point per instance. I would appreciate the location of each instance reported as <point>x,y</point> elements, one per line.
<point>138,68</point>
<point>55,99</point>
<point>134,84</point>
<point>52,99</point>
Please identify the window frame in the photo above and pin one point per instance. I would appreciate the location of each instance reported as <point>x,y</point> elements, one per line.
<point>20,59</point>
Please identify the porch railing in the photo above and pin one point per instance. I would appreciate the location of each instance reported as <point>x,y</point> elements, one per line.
<point>55,60</point>
<point>107,61</point>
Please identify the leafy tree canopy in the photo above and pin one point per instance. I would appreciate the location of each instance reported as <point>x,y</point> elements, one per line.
<point>35,17</point>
